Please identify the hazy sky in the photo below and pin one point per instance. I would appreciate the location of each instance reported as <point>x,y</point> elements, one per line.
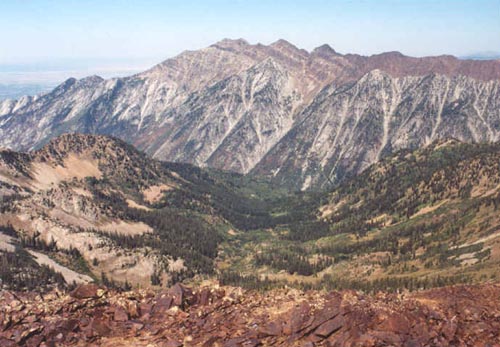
<point>128,32</point>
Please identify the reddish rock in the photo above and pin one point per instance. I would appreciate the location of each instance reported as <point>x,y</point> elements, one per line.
<point>459,315</point>
<point>5,322</point>
<point>366,340</point>
<point>120,314</point>
<point>211,341</point>
<point>204,297</point>
<point>171,343</point>
<point>297,319</point>
<point>181,295</point>
<point>99,327</point>
<point>395,322</point>
<point>388,337</point>
<point>251,343</point>
<point>234,342</point>
<point>326,314</point>
<point>271,329</point>
<point>449,330</point>
<point>86,291</point>
<point>31,319</point>
<point>145,309</point>
<point>133,309</point>
<point>25,335</point>
<point>177,292</point>
<point>4,342</point>
<point>162,304</point>
<point>68,325</point>
<point>414,343</point>
<point>421,332</point>
<point>34,341</point>
<point>329,327</point>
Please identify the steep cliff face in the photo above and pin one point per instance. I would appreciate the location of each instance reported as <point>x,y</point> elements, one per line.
<point>347,128</point>
<point>233,123</point>
<point>243,107</point>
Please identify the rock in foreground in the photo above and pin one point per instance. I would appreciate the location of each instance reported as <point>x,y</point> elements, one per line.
<point>181,316</point>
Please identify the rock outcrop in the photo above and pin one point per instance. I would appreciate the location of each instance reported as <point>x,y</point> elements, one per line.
<point>213,316</point>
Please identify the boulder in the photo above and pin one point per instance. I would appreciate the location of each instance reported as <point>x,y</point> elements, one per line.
<point>181,295</point>
<point>87,291</point>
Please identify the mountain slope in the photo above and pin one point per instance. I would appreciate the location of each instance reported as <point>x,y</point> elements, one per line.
<point>416,219</point>
<point>243,115</point>
<point>96,206</point>
<point>228,105</point>
<point>348,128</point>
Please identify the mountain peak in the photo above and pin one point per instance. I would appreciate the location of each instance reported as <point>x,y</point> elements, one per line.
<point>72,138</point>
<point>232,43</point>
<point>92,79</point>
<point>69,143</point>
<point>392,54</point>
<point>288,50</point>
<point>66,84</point>
<point>325,49</point>
<point>282,44</point>
<point>181,111</point>
<point>100,155</point>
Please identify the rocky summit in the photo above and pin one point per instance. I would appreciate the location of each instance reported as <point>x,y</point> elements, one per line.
<point>304,119</point>
<point>226,317</point>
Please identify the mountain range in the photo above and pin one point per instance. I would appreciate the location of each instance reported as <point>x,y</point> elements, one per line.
<point>305,120</point>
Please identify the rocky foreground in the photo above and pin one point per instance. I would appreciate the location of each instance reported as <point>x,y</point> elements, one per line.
<point>213,316</point>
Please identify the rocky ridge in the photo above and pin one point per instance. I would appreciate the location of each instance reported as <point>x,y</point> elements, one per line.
<point>237,106</point>
<point>71,197</point>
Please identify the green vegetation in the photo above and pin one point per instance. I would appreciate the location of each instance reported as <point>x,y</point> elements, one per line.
<point>19,271</point>
<point>415,220</point>
<point>187,221</point>
<point>410,221</point>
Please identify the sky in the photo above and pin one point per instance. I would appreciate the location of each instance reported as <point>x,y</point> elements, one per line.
<point>129,35</point>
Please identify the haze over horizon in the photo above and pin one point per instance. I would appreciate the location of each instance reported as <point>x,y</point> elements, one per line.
<point>76,39</point>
